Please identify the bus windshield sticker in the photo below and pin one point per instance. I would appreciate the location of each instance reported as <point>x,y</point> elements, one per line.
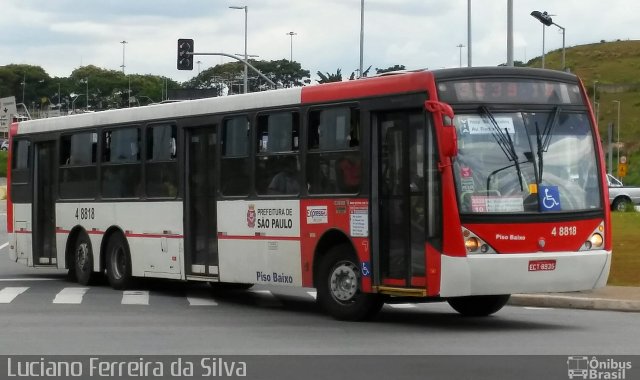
<point>477,125</point>
<point>549,198</point>
<point>483,203</point>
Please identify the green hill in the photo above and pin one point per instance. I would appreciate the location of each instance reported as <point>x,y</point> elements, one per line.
<point>616,68</point>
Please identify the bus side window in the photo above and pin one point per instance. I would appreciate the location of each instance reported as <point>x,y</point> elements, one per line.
<point>234,166</point>
<point>277,166</point>
<point>161,165</point>
<point>334,164</point>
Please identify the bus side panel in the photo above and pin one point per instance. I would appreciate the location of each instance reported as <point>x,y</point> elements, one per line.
<point>22,251</point>
<point>259,242</point>
<point>153,231</point>
<point>348,216</point>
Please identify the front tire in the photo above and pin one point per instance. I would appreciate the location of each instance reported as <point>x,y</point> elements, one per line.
<point>83,260</point>
<point>340,287</point>
<point>478,306</point>
<point>620,204</point>
<point>118,263</point>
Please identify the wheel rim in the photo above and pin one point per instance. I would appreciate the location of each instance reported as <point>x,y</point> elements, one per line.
<point>82,256</point>
<point>343,281</point>
<point>622,205</point>
<point>118,262</point>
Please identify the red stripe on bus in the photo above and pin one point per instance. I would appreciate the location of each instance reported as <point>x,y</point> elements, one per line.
<point>257,237</point>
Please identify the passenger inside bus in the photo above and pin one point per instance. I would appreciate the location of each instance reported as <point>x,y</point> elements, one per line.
<point>286,180</point>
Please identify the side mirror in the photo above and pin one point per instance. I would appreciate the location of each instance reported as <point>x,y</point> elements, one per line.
<point>448,138</point>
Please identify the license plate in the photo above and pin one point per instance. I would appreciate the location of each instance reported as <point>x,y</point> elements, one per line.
<point>540,265</point>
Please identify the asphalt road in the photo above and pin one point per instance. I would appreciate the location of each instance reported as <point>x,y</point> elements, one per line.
<point>43,313</point>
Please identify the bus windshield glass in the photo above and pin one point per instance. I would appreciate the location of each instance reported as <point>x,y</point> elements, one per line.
<point>531,162</point>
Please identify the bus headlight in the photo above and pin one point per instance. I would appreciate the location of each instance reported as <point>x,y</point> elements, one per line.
<point>596,240</point>
<point>472,244</point>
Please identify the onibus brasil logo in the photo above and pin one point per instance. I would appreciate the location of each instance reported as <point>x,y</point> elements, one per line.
<point>583,367</point>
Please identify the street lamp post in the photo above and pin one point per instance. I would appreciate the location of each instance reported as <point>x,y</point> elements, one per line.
<point>618,132</point>
<point>546,20</point>
<point>361,37</point>
<point>73,103</point>
<point>123,42</point>
<point>460,46</point>
<point>246,68</point>
<point>291,34</point>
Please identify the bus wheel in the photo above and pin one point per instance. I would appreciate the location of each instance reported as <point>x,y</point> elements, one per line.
<point>118,262</point>
<point>339,287</point>
<point>83,260</point>
<point>478,306</point>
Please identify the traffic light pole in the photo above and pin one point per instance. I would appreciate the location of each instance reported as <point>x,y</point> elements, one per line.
<point>241,60</point>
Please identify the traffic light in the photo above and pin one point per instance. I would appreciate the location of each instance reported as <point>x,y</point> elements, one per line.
<point>185,60</point>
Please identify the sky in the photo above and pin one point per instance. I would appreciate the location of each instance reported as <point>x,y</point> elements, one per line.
<point>63,35</point>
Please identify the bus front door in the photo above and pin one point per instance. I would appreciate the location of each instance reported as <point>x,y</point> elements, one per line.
<point>398,163</point>
<point>201,229</point>
<point>44,207</point>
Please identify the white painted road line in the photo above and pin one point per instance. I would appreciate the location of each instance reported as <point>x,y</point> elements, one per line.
<point>70,296</point>
<point>403,305</point>
<point>3,246</point>
<point>135,297</point>
<point>29,279</point>
<point>195,300</point>
<point>8,294</point>
<point>266,298</point>
<point>313,294</point>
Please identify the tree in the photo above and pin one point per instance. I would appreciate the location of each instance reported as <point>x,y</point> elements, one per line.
<point>390,69</point>
<point>328,77</point>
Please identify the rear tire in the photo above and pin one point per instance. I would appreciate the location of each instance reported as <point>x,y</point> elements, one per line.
<point>83,260</point>
<point>478,306</point>
<point>340,287</point>
<point>620,204</point>
<point>118,263</point>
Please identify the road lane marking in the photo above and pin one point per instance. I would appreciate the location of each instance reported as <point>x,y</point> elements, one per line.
<point>266,298</point>
<point>537,308</point>
<point>3,246</point>
<point>135,297</point>
<point>70,296</point>
<point>29,279</point>
<point>403,305</point>
<point>197,300</point>
<point>8,294</point>
<point>313,294</point>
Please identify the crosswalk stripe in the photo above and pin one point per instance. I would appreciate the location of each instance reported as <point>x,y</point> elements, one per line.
<point>196,300</point>
<point>135,297</point>
<point>8,294</point>
<point>70,296</point>
<point>267,298</point>
<point>402,305</point>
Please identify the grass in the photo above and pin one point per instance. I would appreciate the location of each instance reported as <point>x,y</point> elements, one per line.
<point>625,265</point>
<point>3,163</point>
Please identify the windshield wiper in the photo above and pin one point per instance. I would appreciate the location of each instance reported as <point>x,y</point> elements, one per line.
<point>503,138</point>
<point>544,139</point>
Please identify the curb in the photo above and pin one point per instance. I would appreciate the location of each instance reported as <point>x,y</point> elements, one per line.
<point>565,301</point>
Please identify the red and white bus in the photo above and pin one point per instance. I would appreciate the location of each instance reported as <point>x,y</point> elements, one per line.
<point>459,185</point>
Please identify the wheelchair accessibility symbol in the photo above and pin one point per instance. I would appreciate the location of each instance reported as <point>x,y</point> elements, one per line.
<point>366,272</point>
<point>549,198</point>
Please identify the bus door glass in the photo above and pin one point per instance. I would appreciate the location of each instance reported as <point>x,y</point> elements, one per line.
<point>44,210</point>
<point>401,194</point>
<point>202,256</point>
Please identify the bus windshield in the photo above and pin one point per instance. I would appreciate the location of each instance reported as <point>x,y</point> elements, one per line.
<point>533,162</point>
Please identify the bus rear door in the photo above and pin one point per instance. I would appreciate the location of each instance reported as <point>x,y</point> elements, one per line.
<point>44,208</point>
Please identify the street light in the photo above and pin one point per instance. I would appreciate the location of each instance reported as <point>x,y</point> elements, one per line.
<point>291,34</point>
<point>361,36</point>
<point>246,68</point>
<point>546,20</point>
<point>73,103</point>
<point>123,44</point>
<point>618,128</point>
<point>460,46</point>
